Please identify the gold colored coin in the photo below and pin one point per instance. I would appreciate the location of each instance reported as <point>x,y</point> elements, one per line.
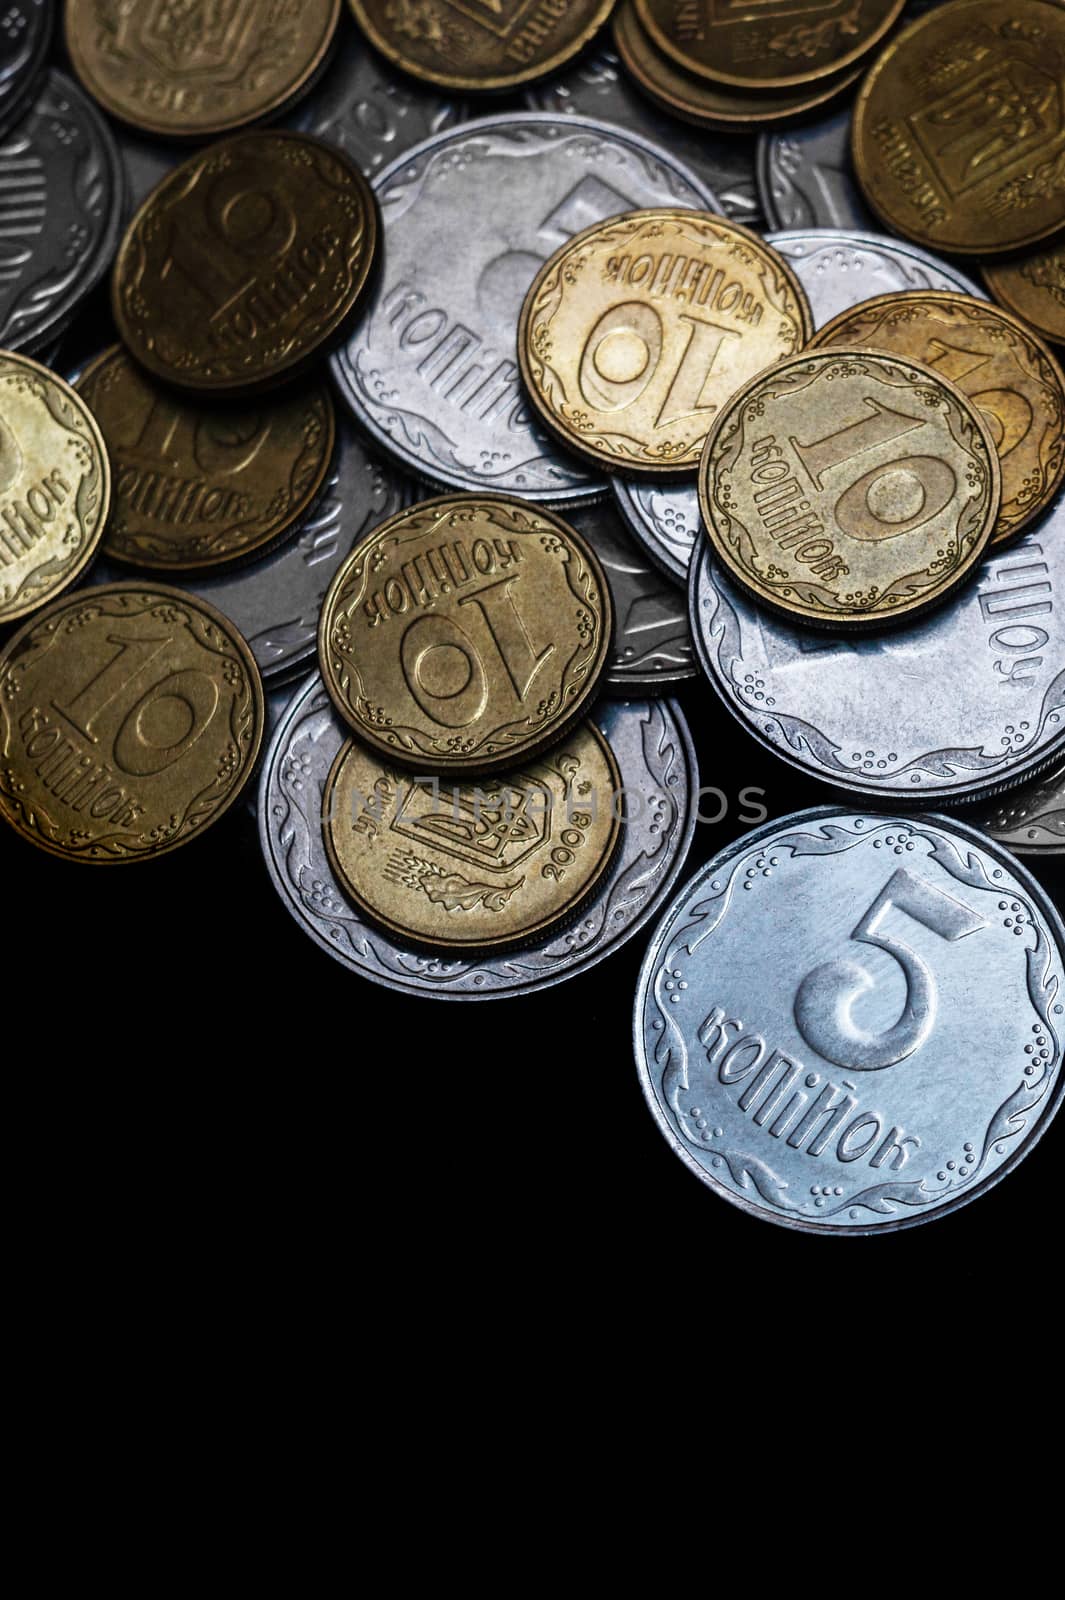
<point>959,129</point>
<point>708,104</point>
<point>1034,287</point>
<point>199,485</point>
<point>849,489</point>
<point>480,44</point>
<point>766,44</point>
<point>1007,373</point>
<point>55,486</point>
<point>466,633</point>
<point>474,868</point>
<point>639,330</point>
<point>131,718</point>
<point>245,262</point>
<point>197,71</point>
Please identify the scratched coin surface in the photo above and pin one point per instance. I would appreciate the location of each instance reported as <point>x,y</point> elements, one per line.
<point>198,71</point>
<point>1029,820</point>
<point>654,753</point>
<point>959,129</point>
<point>966,703</point>
<point>431,371</point>
<point>130,719</point>
<point>652,641</point>
<point>196,485</point>
<point>1033,286</point>
<point>805,177</point>
<point>836,270</point>
<point>768,45</point>
<point>637,333</point>
<point>700,100</point>
<point>598,86</point>
<point>55,486</point>
<point>474,868</point>
<point>61,199</point>
<point>25,32</point>
<point>466,633</point>
<point>849,489</point>
<point>480,44</point>
<point>245,262</point>
<point>276,601</point>
<point>1007,373</point>
<point>849,1023</point>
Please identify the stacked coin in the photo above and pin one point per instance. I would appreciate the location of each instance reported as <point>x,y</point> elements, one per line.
<point>451,407</point>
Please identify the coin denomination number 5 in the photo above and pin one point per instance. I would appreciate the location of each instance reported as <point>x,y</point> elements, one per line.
<point>826,996</point>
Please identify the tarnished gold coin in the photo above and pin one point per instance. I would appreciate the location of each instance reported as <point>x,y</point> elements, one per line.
<point>130,719</point>
<point>195,70</point>
<point>55,486</point>
<point>466,633</point>
<point>245,262</point>
<point>474,868</point>
<point>959,128</point>
<point>480,44</point>
<point>1034,287</point>
<point>639,330</point>
<point>766,44</point>
<point>850,489</point>
<point>708,104</point>
<point>198,485</point>
<point>1007,372</point>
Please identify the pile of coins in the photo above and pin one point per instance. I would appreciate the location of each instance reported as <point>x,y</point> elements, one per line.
<point>592,341</point>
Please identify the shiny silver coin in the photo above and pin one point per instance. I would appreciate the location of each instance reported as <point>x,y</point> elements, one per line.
<point>852,1024</point>
<point>959,706</point>
<point>431,370</point>
<point>597,86</point>
<point>652,640</point>
<point>837,270</point>
<point>1030,821</point>
<point>61,206</point>
<point>805,178</point>
<point>276,602</point>
<point>659,775</point>
<point>25,33</point>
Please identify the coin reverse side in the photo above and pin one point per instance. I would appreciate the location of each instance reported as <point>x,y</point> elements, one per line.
<point>466,633</point>
<point>1033,286</point>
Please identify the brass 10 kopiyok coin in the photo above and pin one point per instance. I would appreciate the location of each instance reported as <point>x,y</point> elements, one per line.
<point>959,129</point>
<point>699,100</point>
<point>55,486</point>
<point>466,633</point>
<point>480,44</point>
<point>1033,286</point>
<point>197,485</point>
<point>639,330</point>
<point>1008,374</point>
<point>245,262</point>
<point>849,489</point>
<point>474,868</point>
<point>130,718</point>
<point>767,45</point>
<point>198,71</point>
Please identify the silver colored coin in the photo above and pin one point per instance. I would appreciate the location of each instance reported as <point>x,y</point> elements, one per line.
<point>276,602</point>
<point>805,178</point>
<point>659,774</point>
<point>959,706</point>
<point>597,86</point>
<point>837,270</point>
<point>61,205</point>
<point>25,32</point>
<point>431,371</point>
<point>652,641</point>
<point>1029,820</point>
<point>852,1024</point>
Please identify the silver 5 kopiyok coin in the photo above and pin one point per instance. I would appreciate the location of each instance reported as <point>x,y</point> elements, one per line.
<point>850,1023</point>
